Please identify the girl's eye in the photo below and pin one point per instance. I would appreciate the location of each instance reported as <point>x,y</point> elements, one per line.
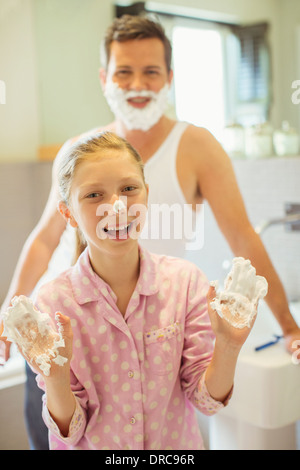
<point>93,195</point>
<point>129,188</point>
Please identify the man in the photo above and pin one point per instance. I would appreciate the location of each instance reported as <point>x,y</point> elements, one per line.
<point>135,80</point>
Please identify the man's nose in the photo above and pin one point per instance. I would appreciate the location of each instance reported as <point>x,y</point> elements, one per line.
<point>137,82</point>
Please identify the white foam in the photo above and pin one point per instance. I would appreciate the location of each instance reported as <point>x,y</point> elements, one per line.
<point>136,118</point>
<point>32,331</point>
<point>237,303</point>
<point>118,206</point>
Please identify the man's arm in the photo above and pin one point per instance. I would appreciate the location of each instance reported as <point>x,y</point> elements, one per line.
<point>218,185</point>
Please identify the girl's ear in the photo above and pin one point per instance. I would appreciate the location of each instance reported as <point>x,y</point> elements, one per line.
<point>66,213</point>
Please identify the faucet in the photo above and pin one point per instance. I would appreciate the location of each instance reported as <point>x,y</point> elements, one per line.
<point>291,220</point>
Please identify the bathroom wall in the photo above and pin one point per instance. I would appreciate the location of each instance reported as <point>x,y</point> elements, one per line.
<point>19,117</point>
<point>289,51</point>
<point>68,36</point>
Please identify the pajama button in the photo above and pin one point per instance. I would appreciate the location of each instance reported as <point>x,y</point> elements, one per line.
<point>132,420</point>
<point>130,374</point>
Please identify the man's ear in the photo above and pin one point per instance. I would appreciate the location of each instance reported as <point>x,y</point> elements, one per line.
<point>66,213</point>
<point>102,76</point>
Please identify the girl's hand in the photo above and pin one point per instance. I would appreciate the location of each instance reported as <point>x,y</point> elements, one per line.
<point>226,334</point>
<point>41,346</point>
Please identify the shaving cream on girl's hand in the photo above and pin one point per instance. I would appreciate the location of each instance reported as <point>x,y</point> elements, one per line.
<point>237,303</point>
<point>33,333</point>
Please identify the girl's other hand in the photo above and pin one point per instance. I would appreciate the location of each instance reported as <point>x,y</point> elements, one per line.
<point>226,334</point>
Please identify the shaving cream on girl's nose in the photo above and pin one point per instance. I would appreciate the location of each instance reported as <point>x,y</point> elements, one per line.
<point>118,206</point>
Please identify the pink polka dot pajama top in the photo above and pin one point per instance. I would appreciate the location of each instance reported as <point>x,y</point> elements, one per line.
<point>137,377</point>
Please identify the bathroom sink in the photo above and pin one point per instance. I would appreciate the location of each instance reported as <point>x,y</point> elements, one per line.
<point>267,382</point>
<point>265,404</point>
<point>13,372</point>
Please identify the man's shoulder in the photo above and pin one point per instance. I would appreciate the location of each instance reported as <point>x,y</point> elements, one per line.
<point>195,135</point>
<point>199,144</point>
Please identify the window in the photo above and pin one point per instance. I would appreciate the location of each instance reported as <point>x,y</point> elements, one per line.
<point>253,91</point>
<point>199,77</point>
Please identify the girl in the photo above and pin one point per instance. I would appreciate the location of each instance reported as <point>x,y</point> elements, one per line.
<point>138,337</point>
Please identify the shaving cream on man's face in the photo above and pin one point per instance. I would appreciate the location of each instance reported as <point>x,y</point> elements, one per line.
<point>136,118</point>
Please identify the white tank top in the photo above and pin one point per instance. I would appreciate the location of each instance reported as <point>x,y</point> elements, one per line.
<point>166,203</point>
<point>169,216</point>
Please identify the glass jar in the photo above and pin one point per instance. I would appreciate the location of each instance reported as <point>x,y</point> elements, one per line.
<point>286,140</point>
<point>259,141</point>
<point>233,140</point>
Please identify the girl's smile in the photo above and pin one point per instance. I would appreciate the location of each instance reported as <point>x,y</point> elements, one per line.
<point>118,232</point>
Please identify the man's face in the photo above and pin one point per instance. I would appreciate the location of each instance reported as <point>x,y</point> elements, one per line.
<point>136,82</point>
<point>138,65</point>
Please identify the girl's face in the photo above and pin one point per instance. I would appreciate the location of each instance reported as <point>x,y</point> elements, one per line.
<point>98,182</point>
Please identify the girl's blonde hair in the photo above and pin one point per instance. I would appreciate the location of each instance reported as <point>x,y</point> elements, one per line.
<point>79,152</point>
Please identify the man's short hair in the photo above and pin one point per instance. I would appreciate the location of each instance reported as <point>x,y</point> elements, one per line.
<point>130,27</point>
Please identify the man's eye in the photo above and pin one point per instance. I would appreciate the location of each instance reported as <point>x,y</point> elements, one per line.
<point>129,188</point>
<point>123,72</point>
